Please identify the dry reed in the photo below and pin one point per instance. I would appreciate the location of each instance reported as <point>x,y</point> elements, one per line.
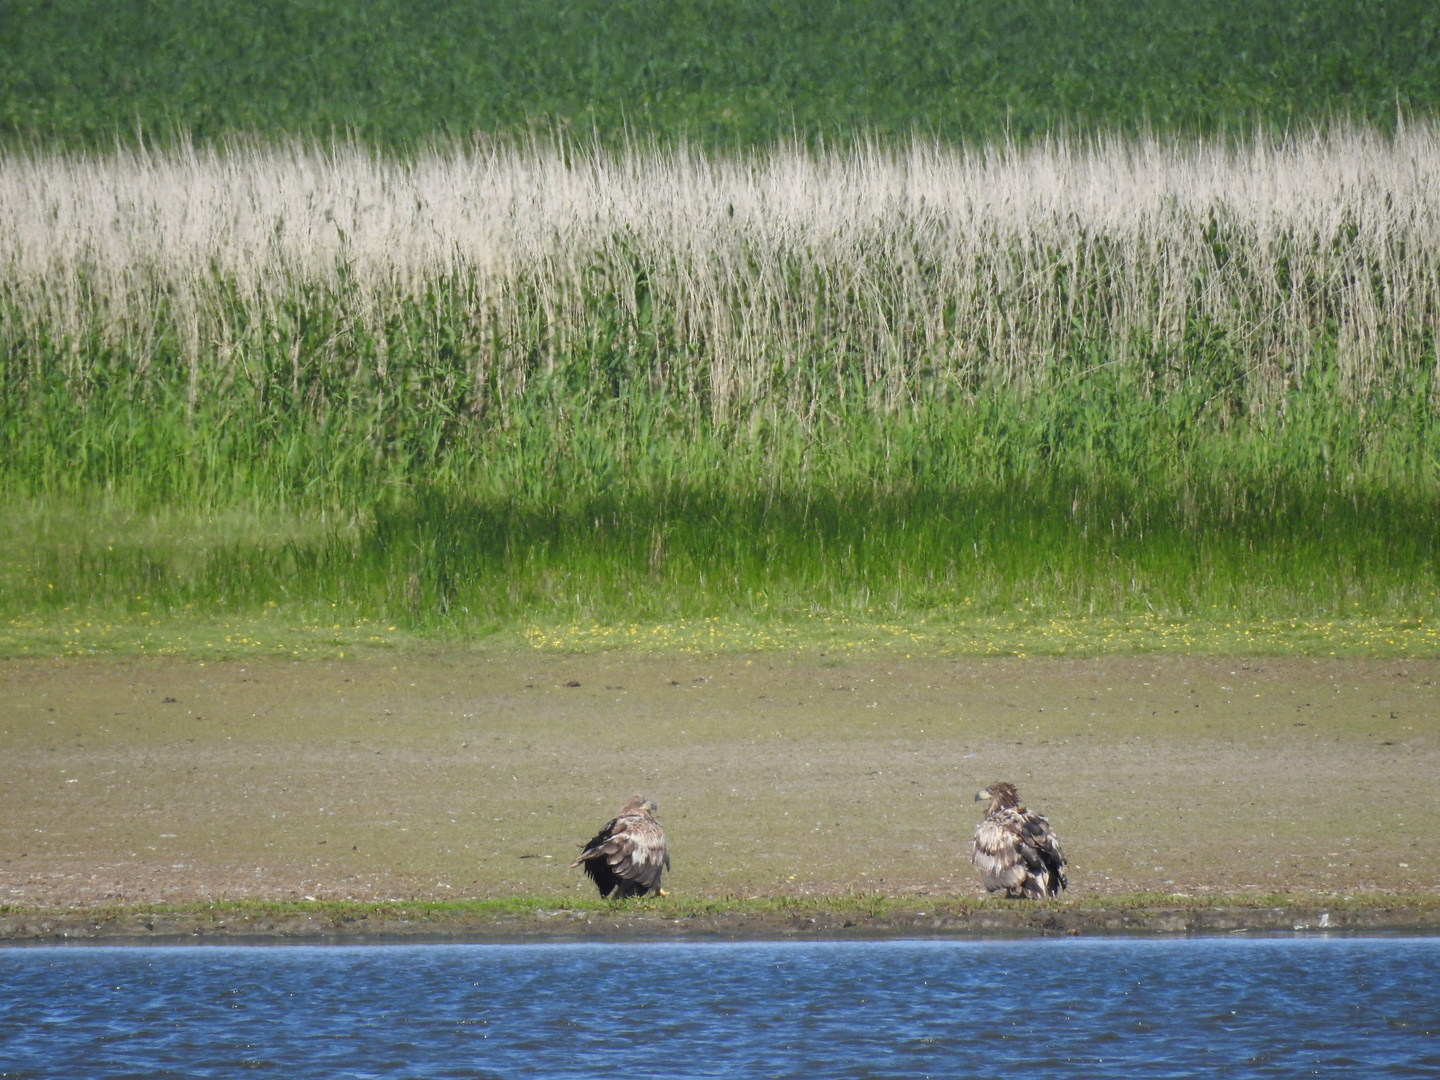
<point>771,280</point>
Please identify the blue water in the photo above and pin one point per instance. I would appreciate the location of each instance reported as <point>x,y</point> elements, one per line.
<point>1068,1007</point>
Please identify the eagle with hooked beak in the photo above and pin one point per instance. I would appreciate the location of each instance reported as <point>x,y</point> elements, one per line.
<point>1015,849</point>
<point>627,856</point>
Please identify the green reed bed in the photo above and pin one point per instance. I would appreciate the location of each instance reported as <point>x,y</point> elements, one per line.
<point>709,527</point>
<point>469,393</point>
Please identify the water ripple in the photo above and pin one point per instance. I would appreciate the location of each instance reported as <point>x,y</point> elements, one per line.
<point>1097,1007</point>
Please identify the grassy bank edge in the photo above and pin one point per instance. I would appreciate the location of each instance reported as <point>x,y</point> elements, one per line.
<point>1023,633</point>
<point>856,915</point>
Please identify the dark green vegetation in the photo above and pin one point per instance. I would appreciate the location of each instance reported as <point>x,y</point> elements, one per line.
<point>722,72</point>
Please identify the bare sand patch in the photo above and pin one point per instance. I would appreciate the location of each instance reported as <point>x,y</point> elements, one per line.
<point>469,775</point>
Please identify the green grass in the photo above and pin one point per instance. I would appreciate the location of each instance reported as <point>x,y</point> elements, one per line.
<point>871,905</point>
<point>961,513</point>
<point>722,72</point>
<point>761,910</point>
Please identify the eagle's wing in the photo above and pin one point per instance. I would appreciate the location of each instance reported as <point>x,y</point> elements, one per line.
<point>598,841</point>
<point>643,855</point>
<point>1041,839</point>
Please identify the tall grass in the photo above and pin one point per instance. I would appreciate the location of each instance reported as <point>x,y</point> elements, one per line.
<point>768,281</point>
<point>491,384</point>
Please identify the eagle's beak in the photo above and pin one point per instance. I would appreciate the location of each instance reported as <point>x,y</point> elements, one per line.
<point>982,796</point>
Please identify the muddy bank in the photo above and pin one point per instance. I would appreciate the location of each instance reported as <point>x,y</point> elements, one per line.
<point>347,924</point>
<point>463,775</point>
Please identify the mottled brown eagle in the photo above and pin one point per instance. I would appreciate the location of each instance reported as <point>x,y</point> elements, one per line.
<point>1015,849</point>
<point>627,856</point>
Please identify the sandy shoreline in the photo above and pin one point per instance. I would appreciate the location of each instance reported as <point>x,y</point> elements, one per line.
<point>470,776</point>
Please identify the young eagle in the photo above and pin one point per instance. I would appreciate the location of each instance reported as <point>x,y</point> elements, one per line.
<point>627,856</point>
<point>1014,848</point>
